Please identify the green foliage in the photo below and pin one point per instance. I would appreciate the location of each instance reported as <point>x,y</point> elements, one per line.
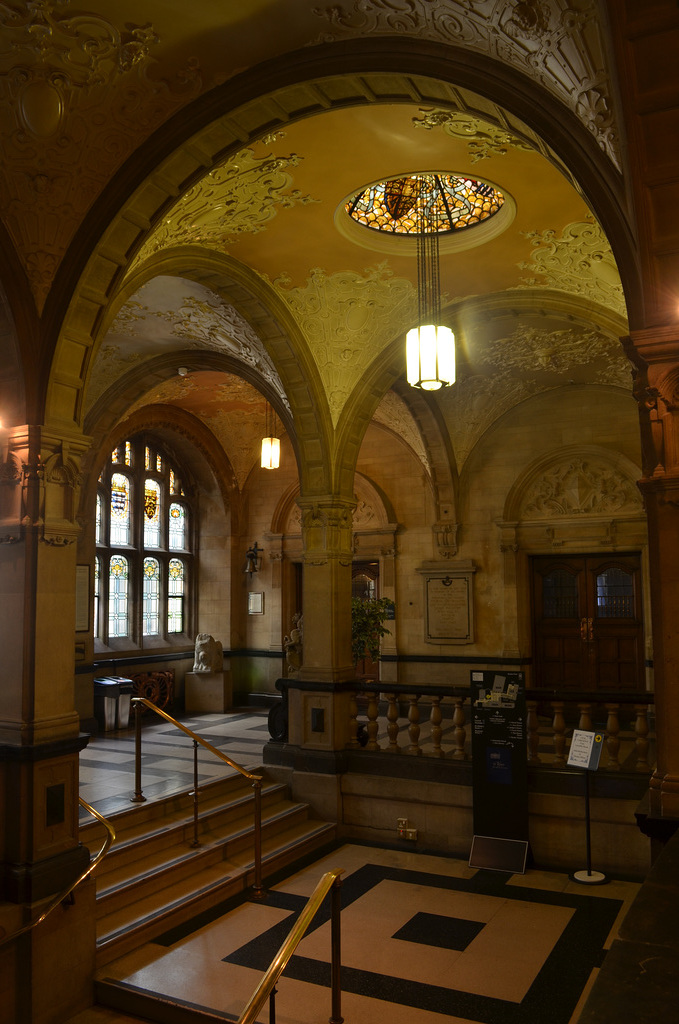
<point>366,626</point>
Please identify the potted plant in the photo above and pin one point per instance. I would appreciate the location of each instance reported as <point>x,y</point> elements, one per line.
<point>367,629</point>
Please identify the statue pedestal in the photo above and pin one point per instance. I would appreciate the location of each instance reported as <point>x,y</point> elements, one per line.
<point>207,691</point>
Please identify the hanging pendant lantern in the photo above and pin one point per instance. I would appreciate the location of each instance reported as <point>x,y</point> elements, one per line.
<point>271,445</point>
<point>430,347</point>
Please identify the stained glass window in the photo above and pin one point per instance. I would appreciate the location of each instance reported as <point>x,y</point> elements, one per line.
<point>97,593</point>
<point>99,520</point>
<point>175,601</point>
<point>117,596</point>
<point>152,512</point>
<point>151,597</point>
<point>449,203</point>
<point>120,509</point>
<point>143,593</point>
<point>177,527</point>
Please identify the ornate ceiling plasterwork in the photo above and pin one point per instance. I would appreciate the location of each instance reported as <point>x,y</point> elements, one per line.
<point>524,363</point>
<point>579,261</point>
<point>394,414</point>
<point>555,42</point>
<point>228,409</point>
<point>240,197</point>
<point>483,139</point>
<point>347,320</point>
<point>199,320</point>
<point>74,91</point>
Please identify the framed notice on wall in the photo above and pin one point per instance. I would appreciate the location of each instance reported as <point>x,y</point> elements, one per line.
<point>448,603</point>
<point>255,603</point>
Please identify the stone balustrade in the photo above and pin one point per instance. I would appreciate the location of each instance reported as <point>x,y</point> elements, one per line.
<point>436,721</point>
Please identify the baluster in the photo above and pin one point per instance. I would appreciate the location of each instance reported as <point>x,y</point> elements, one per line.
<point>641,732</point>
<point>532,732</point>
<point>414,726</point>
<point>585,722</point>
<point>373,712</point>
<point>392,724</point>
<point>436,730</point>
<point>559,727</point>
<point>612,730</point>
<point>460,733</point>
<point>353,721</point>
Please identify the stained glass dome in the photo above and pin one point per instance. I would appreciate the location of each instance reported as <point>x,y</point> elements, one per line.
<point>448,203</point>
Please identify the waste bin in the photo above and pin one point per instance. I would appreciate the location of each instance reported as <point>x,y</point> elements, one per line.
<point>112,702</point>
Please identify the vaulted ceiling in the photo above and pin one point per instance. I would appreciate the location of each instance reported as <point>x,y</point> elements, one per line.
<point>536,303</point>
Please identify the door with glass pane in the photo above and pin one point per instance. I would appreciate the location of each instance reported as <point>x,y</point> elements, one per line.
<point>588,630</point>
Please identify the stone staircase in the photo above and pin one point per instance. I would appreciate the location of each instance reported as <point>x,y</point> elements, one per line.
<point>153,879</point>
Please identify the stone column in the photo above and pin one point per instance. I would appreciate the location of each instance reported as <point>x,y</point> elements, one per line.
<point>319,704</point>
<point>39,727</point>
<point>655,354</point>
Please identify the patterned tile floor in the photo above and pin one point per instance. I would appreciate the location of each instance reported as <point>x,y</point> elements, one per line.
<point>425,938</point>
<point>107,773</point>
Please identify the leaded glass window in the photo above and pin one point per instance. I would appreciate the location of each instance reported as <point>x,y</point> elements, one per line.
<point>560,595</point>
<point>152,511</point>
<point>97,593</point>
<point>175,604</point>
<point>117,596</point>
<point>151,597</point>
<point>448,203</point>
<point>177,527</point>
<point>615,594</point>
<point>120,509</point>
<point>143,518</point>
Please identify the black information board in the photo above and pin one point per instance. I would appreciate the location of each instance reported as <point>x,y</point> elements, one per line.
<point>499,766</point>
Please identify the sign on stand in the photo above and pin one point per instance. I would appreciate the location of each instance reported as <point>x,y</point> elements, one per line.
<point>499,776</point>
<point>585,753</point>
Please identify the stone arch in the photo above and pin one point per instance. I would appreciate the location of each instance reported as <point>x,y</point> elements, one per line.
<point>328,76</point>
<point>13,399</point>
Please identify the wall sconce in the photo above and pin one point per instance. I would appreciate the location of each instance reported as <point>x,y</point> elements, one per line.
<point>253,559</point>
<point>271,445</point>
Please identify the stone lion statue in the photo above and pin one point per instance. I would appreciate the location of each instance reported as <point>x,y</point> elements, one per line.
<point>208,656</point>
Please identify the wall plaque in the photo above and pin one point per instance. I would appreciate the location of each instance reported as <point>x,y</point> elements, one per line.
<point>448,603</point>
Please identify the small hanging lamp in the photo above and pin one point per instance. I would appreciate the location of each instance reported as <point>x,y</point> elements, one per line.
<point>430,347</point>
<point>271,445</point>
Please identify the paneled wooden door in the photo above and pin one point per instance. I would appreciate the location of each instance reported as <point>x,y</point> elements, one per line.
<point>587,618</point>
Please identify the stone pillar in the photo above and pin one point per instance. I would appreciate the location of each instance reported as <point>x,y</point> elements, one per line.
<point>39,727</point>
<point>655,354</point>
<point>319,705</point>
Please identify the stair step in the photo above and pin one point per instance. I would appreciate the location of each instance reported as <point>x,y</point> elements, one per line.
<point>146,1006</point>
<point>153,878</point>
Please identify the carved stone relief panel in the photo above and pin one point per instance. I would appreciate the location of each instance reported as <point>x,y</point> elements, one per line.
<point>580,486</point>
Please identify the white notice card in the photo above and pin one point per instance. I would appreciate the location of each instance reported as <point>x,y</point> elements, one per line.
<point>585,749</point>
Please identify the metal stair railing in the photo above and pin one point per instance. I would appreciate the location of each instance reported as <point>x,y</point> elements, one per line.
<point>63,896</point>
<point>139,703</point>
<point>266,989</point>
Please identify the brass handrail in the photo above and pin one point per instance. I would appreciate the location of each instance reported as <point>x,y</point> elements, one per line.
<point>329,881</point>
<point>138,702</point>
<point>108,840</point>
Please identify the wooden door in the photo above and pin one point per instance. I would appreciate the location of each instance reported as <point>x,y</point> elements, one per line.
<point>588,629</point>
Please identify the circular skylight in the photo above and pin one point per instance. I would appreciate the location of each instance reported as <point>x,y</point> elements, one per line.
<point>444,203</point>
